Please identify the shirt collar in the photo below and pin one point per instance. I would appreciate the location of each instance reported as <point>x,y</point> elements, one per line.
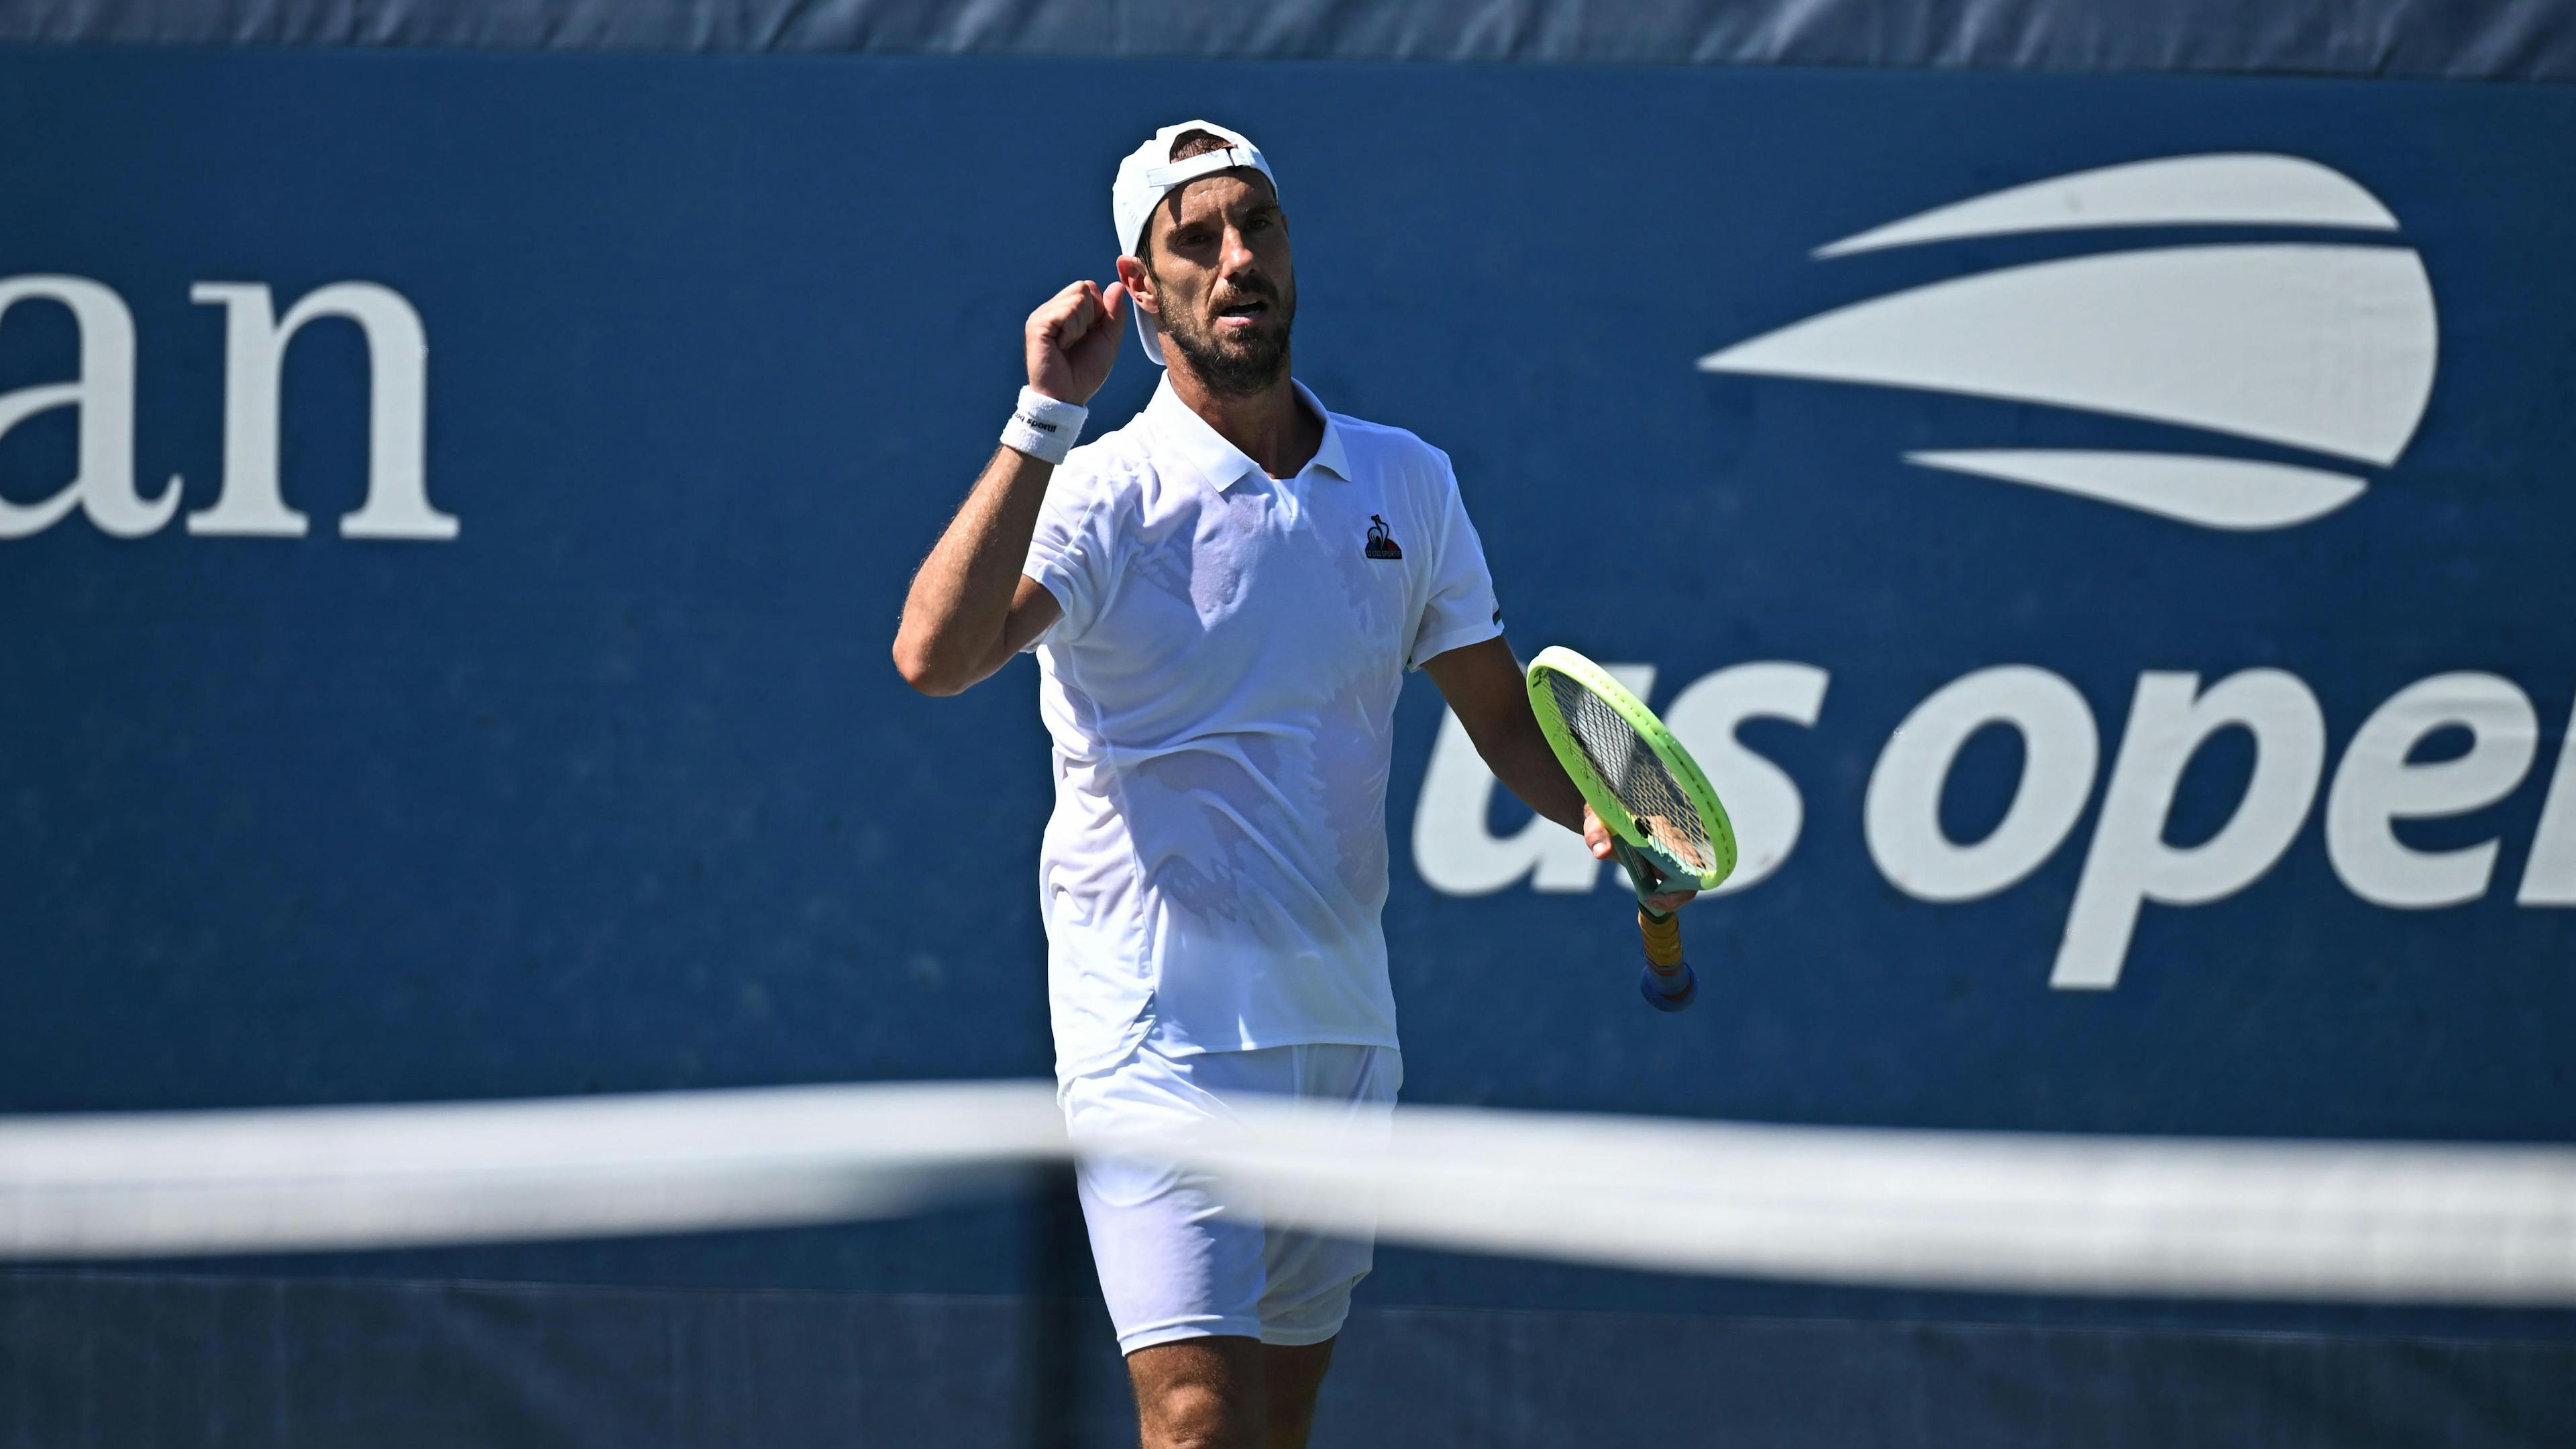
<point>1220,462</point>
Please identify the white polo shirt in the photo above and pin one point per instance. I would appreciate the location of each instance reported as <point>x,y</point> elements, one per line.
<point>1221,692</point>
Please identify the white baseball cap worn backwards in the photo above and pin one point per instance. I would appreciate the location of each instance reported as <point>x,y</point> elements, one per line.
<point>1149,173</point>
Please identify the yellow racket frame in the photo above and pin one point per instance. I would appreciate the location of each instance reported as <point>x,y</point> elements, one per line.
<point>1558,659</point>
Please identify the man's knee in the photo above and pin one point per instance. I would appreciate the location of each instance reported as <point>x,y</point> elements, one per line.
<point>1199,1394</point>
<point>1195,1416</point>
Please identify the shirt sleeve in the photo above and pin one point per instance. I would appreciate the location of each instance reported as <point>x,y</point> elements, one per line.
<point>1461,609</point>
<point>1073,551</point>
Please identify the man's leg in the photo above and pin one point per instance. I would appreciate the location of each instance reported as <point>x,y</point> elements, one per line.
<point>1179,1254</point>
<point>1227,1393</point>
<point>1290,1375</point>
<point>1202,1393</point>
<point>1307,1277</point>
<point>1190,1274</point>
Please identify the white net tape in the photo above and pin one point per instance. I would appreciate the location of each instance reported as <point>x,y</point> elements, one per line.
<point>2059,1214</point>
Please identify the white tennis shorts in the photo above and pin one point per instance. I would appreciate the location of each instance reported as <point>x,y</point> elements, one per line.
<point>1184,1255</point>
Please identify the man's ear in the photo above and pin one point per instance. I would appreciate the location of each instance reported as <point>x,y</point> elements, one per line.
<point>1140,286</point>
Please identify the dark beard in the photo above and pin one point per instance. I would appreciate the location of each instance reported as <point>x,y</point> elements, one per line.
<point>1238,369</point>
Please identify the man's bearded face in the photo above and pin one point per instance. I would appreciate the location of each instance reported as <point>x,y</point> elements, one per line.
<point>1223,278</point>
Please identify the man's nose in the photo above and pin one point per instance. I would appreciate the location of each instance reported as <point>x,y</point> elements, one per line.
<point>1237,253</point>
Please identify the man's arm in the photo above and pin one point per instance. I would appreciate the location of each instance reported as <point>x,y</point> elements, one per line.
<point>1490,695</point>
<point>970,608</point>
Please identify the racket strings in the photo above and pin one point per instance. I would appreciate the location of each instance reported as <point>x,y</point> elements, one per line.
<point>1634,773</point>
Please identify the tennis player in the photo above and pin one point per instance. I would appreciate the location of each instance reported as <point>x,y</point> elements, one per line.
<point>1224,597</point>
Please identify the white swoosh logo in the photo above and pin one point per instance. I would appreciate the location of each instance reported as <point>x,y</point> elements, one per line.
<point>2233,493</point>
<point>2227,190</point>
<point>2325,347</point>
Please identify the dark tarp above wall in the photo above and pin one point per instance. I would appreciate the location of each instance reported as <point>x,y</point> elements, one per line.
<point>2448,39</point>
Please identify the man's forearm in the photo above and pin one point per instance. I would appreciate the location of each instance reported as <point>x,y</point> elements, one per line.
<point>1486,691</point>
<point>953,619</point>
<point>1523,760</point>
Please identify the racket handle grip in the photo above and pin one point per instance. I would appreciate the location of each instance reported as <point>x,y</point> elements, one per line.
<point>1668,983</point>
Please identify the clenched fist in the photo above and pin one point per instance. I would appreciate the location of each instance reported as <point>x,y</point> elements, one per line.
<point>1073,339</point>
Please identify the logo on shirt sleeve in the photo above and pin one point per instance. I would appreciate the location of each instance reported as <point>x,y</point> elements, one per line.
<point>1379,544</point>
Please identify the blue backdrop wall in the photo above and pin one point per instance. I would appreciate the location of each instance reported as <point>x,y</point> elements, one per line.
<point>588,771</point>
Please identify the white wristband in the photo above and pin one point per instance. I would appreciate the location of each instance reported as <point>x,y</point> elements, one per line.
<point>1043,427</point>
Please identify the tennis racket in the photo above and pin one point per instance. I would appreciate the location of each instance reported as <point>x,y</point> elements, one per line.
<point>1667,828</point>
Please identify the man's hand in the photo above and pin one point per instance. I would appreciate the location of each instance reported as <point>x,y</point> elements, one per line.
<point>1073,340</point>
<point>1597,835</point>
